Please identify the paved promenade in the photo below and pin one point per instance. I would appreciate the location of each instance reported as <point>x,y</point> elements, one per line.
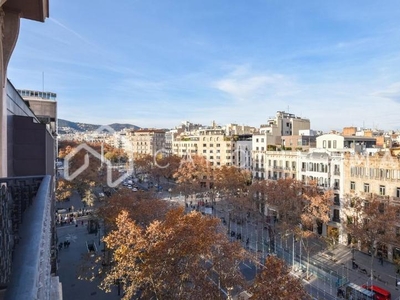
<point>70,258</point>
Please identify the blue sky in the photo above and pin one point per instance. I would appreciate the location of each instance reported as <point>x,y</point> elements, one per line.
<point>156,63</point>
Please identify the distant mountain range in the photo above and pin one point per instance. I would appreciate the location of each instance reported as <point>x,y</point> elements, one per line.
<point>65,126</point>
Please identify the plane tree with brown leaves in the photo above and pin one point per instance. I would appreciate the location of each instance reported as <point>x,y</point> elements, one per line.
<point>276,282</point>
<point>64,189</point>
<point>87,178</point>
<point>193,175</point>
<point>163,166</point>
<point>285,196</point>
<point>143,163</point>
<point>142,207</point>
<point>298,207</point>
<point>257,195</point>
<point>231,181</point>
<point>371,223</point>
<point>316,206</point>
<point>166,166</point>
<point>95,174</point>
<point>186,256</point>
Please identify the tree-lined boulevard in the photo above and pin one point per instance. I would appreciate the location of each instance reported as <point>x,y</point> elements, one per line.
<point>213,233</point>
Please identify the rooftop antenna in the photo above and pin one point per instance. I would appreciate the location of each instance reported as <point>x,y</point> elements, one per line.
<point>43,82</point>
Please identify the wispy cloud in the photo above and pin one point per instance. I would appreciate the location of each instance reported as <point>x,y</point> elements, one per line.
<point>392,92</point>
<point>76,34</point>
<point>243,84</point>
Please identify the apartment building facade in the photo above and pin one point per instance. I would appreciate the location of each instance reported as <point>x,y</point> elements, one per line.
<point>216,147</point>
<point>147,141</point>
<point>243,153</point>
<point>285,124</point>
<point>186,145</point>
<point>374,175</point>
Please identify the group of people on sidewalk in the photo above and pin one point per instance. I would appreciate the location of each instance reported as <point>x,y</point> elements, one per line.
<point>65,244</point>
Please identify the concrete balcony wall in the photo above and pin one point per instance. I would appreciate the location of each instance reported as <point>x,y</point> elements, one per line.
<point>33,234</point>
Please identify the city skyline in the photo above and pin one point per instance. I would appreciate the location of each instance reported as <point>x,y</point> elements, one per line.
<point>156,64</point>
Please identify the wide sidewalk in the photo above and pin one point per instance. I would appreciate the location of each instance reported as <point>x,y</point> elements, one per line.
<point>70,258</point>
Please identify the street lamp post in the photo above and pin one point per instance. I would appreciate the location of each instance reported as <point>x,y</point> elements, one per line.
<point>229,224</point>
<point>293,251</point>
<point>99,234</point>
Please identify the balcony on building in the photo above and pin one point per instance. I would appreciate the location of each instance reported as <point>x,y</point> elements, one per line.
<point>28,265</point>
<point>29,256</point>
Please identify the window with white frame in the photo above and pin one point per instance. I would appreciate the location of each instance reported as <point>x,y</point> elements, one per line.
<point>382,190</point>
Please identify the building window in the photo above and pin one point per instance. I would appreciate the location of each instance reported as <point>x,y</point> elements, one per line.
<point>382,190</point>
<point>352,185</point>
<point>323,144</point>
<point>211,145</point>
<point>204,145</point>
<point>204,151</point>
<point>218,145</point>
<point>329,144</point>
<point>336,199</point>
<point>398,192</point>
<point>366,187</point>
<point>337,184</point>
<point>336,216</point>
<point>256,140</point>
<point>334,144</point>
<point>262,140</point>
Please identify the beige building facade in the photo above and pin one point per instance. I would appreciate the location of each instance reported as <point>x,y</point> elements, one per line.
<point>377,176</point>
<point>147,141</point>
